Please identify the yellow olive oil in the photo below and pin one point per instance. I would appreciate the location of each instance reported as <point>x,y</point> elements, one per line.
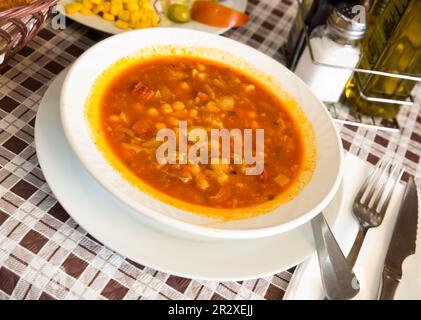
<point>393,44</point>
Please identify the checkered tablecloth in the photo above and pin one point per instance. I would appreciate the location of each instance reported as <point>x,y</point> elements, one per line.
<point>40,244</point>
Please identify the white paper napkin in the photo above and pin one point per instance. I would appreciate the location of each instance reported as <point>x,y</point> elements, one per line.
<point>306,282</point>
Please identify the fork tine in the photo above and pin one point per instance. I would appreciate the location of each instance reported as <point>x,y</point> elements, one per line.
<point>380,194</point>
<point>376,183</point>
<point>363,188</point>
<point>389,196</point>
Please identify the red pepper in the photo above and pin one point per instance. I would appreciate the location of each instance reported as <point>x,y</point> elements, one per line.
<point>203,96</point>
<point>143,92</point>
<point>217,15</point>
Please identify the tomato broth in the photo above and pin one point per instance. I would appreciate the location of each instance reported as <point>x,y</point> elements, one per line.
<point>160,92</point>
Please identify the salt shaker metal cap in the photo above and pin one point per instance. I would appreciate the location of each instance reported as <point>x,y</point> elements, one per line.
<point>346,21</point>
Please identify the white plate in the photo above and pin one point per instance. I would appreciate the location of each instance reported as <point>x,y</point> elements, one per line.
<point>142,240</point>
<point>96,22</point>
<point>146,43</point>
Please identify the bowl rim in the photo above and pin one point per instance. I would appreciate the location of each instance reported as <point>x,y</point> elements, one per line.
<point>201,230</point>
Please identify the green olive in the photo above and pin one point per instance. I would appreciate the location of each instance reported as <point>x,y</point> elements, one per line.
<point>178,13</point>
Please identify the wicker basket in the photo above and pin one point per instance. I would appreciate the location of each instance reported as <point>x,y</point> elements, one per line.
<point>19,25</point>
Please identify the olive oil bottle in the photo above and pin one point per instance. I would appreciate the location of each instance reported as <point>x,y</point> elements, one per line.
<point>393,44</point>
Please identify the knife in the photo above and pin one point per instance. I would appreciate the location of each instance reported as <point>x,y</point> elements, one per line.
<point>402,243</point>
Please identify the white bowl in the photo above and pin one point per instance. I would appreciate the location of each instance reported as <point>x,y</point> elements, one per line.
<point>308,203</point>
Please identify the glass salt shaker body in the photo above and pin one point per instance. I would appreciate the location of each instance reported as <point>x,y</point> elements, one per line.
<point>338,44</point>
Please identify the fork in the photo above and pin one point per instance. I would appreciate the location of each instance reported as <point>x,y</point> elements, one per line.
<point>368,207</point>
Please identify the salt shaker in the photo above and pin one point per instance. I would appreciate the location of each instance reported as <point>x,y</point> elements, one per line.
<point>337,43</point>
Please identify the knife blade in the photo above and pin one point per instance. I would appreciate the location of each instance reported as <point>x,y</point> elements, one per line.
<point>402,243</point>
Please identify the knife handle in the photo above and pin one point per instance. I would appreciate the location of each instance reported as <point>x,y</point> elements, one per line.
<point>389,286</point>
<point>338,279</point>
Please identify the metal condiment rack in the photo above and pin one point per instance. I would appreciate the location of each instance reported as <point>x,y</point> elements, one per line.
<point>343,114</point>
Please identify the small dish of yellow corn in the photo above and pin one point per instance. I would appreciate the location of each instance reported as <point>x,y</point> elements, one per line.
<point>125,14</point>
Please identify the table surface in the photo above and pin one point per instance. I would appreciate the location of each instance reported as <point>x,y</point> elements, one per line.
<point>40,244</point>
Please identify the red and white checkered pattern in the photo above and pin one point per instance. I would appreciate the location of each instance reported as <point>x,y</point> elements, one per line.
<point>44,254</point>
